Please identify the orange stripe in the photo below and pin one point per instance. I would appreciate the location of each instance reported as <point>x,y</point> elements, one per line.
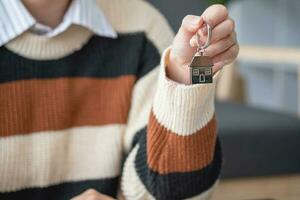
<point>168,152</point>
<point>53,104</point>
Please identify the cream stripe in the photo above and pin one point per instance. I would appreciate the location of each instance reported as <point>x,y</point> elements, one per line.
<point>131,185</point>
<point>138,16</point>
<point>39,47</point>
<point>133,188</point>
<point>145,18</point>
<point>183,109</point>
<point>141,103</point>
<point>52,157</point>
<point>125,17</point>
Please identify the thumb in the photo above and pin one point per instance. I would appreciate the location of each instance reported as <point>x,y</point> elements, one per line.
<point>182,51</point>
<point>190,25</point>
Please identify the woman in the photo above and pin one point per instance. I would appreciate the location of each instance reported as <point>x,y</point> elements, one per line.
<point>96,103</point>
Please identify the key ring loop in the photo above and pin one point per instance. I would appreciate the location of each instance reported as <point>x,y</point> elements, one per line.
<point>200,48</point>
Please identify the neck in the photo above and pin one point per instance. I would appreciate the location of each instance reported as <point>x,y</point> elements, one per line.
<point>47,12</point>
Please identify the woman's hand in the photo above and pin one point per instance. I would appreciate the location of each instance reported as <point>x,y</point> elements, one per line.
<point>92,194</point>
<point>223,48</point>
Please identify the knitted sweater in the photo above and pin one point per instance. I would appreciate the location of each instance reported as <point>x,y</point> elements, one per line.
<point>81,111</point>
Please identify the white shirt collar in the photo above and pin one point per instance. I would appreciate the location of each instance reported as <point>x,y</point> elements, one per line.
<point>15,19</point>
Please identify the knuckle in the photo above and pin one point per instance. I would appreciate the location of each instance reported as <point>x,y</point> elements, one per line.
<point>231,24</point>
<point>221,9</point>
<point>231,37</point>
<point>234,50</point>
<point>229,41</point>
<point>186,19</point>
<point>215,14</point>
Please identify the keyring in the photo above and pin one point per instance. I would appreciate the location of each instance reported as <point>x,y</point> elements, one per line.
<point>200,48</point>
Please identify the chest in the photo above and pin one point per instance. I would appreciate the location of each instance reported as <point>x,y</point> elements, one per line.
<point>92,86</point>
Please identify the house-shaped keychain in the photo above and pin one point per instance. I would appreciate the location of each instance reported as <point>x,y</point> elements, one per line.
<point>201,70</point>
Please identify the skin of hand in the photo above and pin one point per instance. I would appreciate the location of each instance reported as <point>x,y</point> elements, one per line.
<point>92,194</point>
<point>223,49</point>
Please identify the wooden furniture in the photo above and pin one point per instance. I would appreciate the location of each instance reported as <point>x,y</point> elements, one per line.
<point>262,188</point>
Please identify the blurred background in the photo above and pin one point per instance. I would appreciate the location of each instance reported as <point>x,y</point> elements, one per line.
<point>258,105</point>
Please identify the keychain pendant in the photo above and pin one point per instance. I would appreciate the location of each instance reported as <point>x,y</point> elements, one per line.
<point>201,66</point>
<point>201,70</point>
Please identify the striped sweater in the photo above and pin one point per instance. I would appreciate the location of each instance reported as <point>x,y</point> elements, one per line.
<point>81,111</point>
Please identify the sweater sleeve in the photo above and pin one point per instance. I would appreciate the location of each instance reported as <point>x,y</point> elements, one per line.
<point>171,139</point>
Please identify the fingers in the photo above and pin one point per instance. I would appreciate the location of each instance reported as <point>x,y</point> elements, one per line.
<point>215,14</point>
<point>221,45</point>
<point>191,23</point>
<point>221,31</point>
<point>225,57</point>
<point>224,47</point>
<point>223,52</point>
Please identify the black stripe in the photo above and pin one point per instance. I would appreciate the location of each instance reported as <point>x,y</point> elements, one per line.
<point>175,186</point>
<point>64,191</point>
<point>129,54</point>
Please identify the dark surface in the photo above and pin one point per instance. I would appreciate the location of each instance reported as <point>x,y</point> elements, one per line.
<point>257,142</point>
